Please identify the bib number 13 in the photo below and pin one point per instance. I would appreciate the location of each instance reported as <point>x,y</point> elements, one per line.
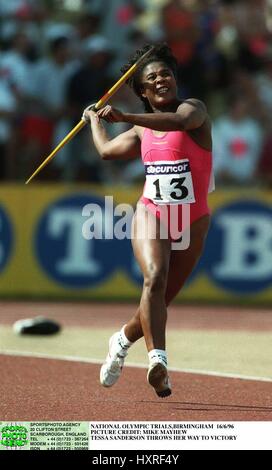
<point>177,184</point>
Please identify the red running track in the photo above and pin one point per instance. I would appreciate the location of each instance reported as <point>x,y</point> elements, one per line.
<point>35,389</point>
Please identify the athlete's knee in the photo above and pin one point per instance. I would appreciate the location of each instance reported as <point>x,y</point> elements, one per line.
<point>155,279</point>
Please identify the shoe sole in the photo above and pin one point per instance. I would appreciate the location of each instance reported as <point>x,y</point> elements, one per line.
<point>156,378</point>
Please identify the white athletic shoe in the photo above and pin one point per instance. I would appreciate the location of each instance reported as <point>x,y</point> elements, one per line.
<point>157,377</point>
<point>112,368</point>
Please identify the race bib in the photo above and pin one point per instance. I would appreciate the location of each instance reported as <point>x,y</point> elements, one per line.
<point>169,182</point>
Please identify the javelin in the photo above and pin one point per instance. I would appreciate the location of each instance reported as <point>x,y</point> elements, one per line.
<point>98,105</point>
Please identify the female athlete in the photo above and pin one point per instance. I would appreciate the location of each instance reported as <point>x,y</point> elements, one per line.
<point>174,138</point>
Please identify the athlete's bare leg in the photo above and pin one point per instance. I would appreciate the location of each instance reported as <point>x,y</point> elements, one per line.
<point>181,265</point>
<point>182,262</point>
<point>153,256</point>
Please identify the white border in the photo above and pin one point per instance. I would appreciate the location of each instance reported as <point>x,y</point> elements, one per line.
<point>89,360</point>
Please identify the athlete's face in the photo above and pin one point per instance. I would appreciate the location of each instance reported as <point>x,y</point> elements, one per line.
<point>159,85</point>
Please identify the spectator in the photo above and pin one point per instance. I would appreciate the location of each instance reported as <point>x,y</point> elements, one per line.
<point>52,75</point>
<point>265,165</point>
<point>17,71</point>
<point>180,27</point>
<point>87,25</point>
<point>244,32</point>
<point>43,121</point>
<point>7,111</point>
<point>180,23</point>
<point>214,64</point>
<point>245,84</point>
<point>92,79</point>
<point>42,98</point>
<point>16,63</point>
<point>237,139</point>
<point>85,87</point>
<point>263,81</point>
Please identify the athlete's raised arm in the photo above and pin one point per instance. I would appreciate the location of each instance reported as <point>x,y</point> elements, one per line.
<point>125,146</point>
<point>190,114</point>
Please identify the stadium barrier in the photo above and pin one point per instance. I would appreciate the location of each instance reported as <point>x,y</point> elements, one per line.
<point>43,253</point>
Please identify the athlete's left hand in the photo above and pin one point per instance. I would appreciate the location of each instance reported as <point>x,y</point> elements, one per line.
<point>110,114</point>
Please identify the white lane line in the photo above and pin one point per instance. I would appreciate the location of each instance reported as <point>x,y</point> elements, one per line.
<point>90,360</point>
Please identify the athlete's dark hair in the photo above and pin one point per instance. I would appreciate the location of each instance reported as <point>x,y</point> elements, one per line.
<point>161,53</point>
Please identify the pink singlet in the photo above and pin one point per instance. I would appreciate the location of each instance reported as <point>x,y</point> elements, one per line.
<point>178,171</point>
